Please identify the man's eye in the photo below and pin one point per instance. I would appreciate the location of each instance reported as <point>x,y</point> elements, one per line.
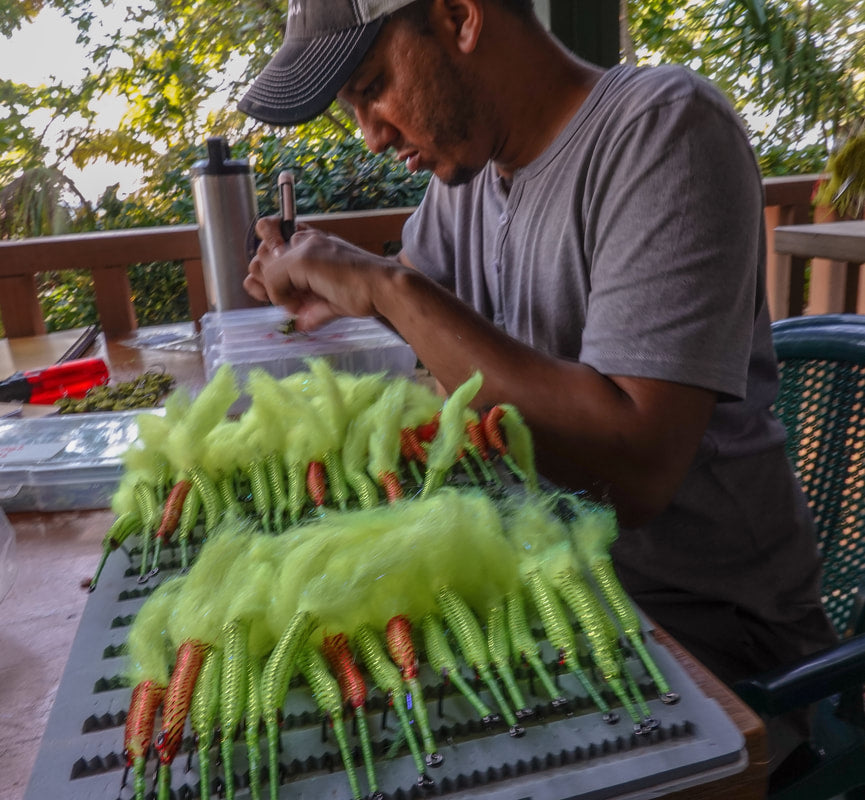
<point>372,88</point>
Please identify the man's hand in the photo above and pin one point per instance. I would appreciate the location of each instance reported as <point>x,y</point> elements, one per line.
<point>316,277</point>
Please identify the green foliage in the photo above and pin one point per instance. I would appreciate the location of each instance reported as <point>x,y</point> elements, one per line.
<point>333,174</point>
<point>159,293</point>
<point>41,201</point>
<point>67,299</point>
<point>793,69</point>
<point>845,186</point>
<point>778,160</point>
<point>14,12</point>
<point>20,148</point>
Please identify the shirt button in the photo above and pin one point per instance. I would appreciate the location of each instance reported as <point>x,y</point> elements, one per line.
<point>503,218</point>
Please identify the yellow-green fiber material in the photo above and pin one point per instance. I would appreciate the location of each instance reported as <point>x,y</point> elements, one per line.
<point>384,449</point>
<point>594,529</point>
<point>448,443</point>
<point>208,591</point>
<point>348,569</point>
<point>149,646</point>
<point>186,439</point>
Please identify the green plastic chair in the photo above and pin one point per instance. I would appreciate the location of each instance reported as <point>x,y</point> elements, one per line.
<point>821,402</point>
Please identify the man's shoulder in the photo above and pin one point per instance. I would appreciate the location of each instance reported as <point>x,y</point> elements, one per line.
<point>647,86</point>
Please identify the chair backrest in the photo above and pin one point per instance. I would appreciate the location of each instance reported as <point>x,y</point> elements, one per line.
<point>821,402</point>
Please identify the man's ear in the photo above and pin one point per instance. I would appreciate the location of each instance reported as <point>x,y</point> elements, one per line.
<point>462,20</point>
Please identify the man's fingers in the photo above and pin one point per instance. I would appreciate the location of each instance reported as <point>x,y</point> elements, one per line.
<point>255,288</point>
<point>313,315</point>
<point>268,227</point>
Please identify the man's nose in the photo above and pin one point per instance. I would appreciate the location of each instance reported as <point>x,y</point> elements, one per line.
<point>377,133</point>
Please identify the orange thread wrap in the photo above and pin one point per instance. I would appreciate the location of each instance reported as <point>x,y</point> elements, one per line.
<point>390,483</point>
<point>477,438</point>
<point>400,646</point>
<point>411,447</point>
<point>146,698</point>
<point>173,509</point>
<point>187,665</point>
<point>492,431</point>
<point>428,431</point>
<point>339,656</point>
<point>316,484</point>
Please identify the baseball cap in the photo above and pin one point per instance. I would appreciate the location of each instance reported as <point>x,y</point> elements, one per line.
<point>325,41</point>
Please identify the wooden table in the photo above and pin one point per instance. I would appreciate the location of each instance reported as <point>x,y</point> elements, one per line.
<point>750,784</point>
<point>57,552</point>
<point>126,358</point>
<point>842,242</point>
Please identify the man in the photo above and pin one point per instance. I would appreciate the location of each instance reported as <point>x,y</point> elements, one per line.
<point>592,241</point>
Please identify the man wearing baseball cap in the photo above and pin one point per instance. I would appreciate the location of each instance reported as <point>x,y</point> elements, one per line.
<point>592,241</point>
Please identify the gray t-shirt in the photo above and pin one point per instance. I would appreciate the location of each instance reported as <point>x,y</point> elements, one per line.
<point>635,244</point>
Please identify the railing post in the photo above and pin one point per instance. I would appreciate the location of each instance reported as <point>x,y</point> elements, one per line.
<point>19,306</point>
<point>787,202</point>
<point>195,289</point>
<point>785,274</point>
<point>834,285</point>
<point>114,301</point>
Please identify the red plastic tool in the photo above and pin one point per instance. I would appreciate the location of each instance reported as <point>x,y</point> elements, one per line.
<point>44,386</point>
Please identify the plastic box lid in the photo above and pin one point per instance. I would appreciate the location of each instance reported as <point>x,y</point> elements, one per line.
<point>66,462</point>
<point>248,338</point>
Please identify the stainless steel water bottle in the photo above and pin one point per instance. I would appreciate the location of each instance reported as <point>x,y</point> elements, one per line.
<point>223,191</point>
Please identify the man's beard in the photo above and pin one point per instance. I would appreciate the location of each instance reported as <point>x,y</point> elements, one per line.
<point>453,116</point>
<point>461,176</point>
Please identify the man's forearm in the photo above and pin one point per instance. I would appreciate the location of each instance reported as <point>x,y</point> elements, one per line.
<point>629,439</point>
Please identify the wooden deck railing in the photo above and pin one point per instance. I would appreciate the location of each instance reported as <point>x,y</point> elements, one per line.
<point>108,254</point>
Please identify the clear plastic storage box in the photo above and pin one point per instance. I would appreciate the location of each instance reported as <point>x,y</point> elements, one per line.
<point>64,462</point>
<point>250,338</point>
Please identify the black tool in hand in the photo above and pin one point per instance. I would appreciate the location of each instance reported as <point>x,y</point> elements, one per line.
<point>287,213</point>
<point>287,204</point>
